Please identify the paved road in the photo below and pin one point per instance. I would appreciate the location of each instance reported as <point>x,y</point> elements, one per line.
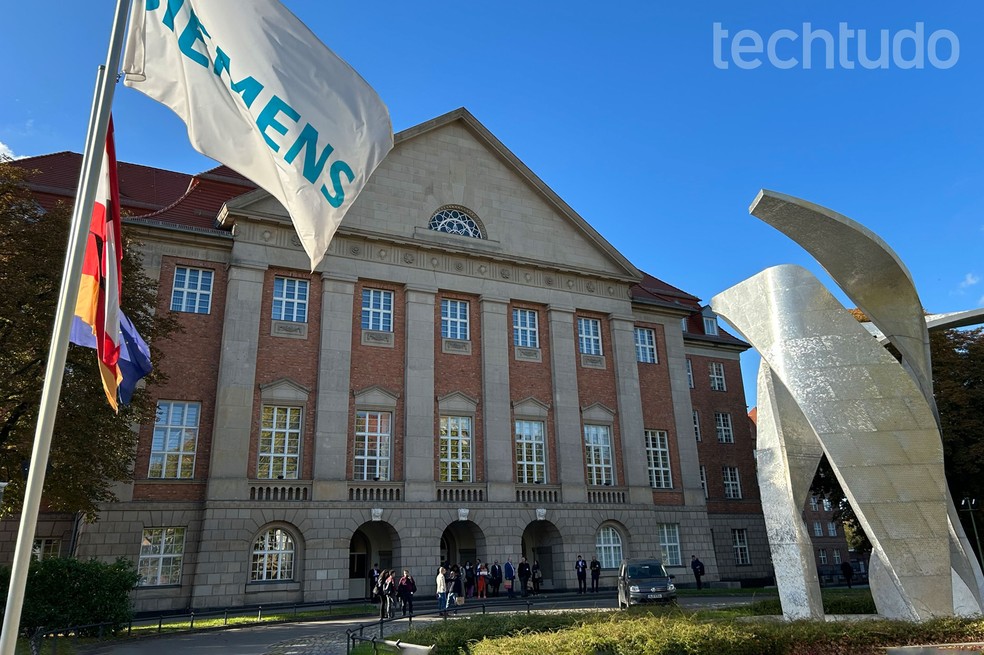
<point>328,637</point>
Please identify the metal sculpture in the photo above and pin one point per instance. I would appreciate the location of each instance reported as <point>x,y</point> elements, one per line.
<point>826,386</point>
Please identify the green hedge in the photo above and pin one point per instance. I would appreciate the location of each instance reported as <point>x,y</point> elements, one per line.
<point>64,592</point>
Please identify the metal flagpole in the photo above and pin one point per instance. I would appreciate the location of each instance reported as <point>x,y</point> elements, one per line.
<point>95,148</point>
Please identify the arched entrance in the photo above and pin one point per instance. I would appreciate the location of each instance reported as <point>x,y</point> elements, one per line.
<point>542,542</point>
<point>463,541</point>
<point>375,542</point>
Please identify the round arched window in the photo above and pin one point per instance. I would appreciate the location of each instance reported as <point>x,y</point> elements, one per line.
<point>273,556</point>
<point>455,221</point>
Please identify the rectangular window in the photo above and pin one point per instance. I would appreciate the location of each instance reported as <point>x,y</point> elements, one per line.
<point>703,480</point>
<point>683,324</point>
<point>377,310</point>
<point>837,556</point>
<point>645,343</point>
<point>822,555</point>
<point>372,445</point>
<point>732,483</point>
<point>192,291</point>
<point>669,543</point>
<point>531,458</point>
<point>161,550</point>
<point>658,458</point>
<point>172,450</point>
<point>454,319</point>
<point>826,505</point>
<point>722,425</point>
<point>717,377</point>
<point>831,529</point>
<point>710,326</point>
<point>690,373</point>
<point>290,299</point>
<point>45,549</point>
<point>817,529</point>
<point>697,425</point>
<point>598,454</point>
<point>525,328</point>
<point>589,336</point>
<point>280,443</point>
<point>739,541</point>
<point>455,449</point>
<point>813,503</point>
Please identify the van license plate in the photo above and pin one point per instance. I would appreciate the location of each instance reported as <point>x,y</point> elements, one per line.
<point>654,596</point>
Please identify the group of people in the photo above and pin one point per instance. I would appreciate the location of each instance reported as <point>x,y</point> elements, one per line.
<point>388,590</point>
<point>581,567</point>
<point>457,582</point>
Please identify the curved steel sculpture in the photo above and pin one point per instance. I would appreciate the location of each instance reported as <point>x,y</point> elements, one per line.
<point>827,386</point>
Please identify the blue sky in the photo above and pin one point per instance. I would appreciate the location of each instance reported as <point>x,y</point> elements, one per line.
<point>625,110</point>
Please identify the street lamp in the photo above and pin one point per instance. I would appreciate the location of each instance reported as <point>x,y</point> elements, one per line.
<point>969,505</point>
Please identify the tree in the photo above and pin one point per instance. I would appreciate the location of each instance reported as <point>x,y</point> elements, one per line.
<point>92,447</point>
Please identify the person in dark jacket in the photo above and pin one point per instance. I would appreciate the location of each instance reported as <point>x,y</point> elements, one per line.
<point>697,567</point>
<point>405,589</point>
<point>537,577</point>
<point>524,576</point>
<point>495,578</point>
<point>595,567</point>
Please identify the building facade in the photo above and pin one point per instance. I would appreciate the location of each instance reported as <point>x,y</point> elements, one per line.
<point>473,372</point>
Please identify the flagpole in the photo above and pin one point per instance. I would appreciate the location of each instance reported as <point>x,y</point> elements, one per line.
<point>95,146</point>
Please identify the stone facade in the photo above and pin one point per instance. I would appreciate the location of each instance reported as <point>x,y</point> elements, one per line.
<point>535,253</point>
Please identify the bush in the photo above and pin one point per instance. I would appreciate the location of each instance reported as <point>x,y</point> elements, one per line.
<point>64,593</point>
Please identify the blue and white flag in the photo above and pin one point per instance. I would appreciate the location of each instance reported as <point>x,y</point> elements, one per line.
<point>260,93</point>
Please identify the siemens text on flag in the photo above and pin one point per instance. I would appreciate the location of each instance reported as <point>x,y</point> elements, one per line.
<point>260,93</point>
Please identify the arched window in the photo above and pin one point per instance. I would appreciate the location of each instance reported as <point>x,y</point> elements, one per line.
<point>609,547</point>
<point>273,556</point>
<point>454,220</point>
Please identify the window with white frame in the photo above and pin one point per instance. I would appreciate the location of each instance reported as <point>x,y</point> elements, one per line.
<point>192,290</point>
<point>658,459</point>
<point>732,483</point>
<point>589,336</point>
<point>161,553</point>
<point>455,449</point>
<point>710,326</point>
<point>598,454</point>
<point>717,377</point>
<point>372,445</point>
<point>525,328</point>
<point>280,443</point>
<point>690,373</point>
<point>817,529</point>
<point>722,425</point>
<point>814,505</point>
<point>290,299</point>
<point>175,440</point>
<point>703,480</point>
<point>608,547</point>
<point>531,455</point>
<point>822,554</point>
<point>454,319</point>
<point>45,549</point>
<point>827,505</point>
<point>377,310</point>
<point>669,543</point>
<point>683,324</point>
<point>455,221</point>
<point>697,425</point>
<point>837,556</point>
<point>739,542</point>
<point>645,344</point>
<point>273,557</point>
<point>831,529</point>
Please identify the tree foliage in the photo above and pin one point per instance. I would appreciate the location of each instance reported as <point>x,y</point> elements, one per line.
<point>92,447</point>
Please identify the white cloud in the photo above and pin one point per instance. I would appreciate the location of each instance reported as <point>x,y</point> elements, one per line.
<point>969,280</point>
<point>5,151</point>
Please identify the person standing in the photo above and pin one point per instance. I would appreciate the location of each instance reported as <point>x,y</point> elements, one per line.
<point>469,575</point>
<point>510,575</point>
<point>482,580</point>
<point>581,568</point>
<point>697,567</point>
<point>848,572</point>
<point>383,591</point>
<point>456,589</point>
<point>495,578</point>
<point>374,582</point>
<point>524,576</point>
<point>442,590</point>
<point>405,589</point>
<point>537,577</point>
<point>595,573</point>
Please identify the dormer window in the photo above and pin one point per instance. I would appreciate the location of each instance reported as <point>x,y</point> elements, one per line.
<point>455,220</point>
<point>710,326</point>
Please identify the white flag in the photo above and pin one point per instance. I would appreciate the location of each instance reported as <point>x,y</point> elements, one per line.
<point>261,94</point>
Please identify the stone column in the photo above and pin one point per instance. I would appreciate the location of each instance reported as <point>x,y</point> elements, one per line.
<point>683,414</point>
<point>229,467</point>
<point>566,405</point>
<point>334,375</point>
<point>630,420</point>
<point>495,406</point>
<point>419,385</point>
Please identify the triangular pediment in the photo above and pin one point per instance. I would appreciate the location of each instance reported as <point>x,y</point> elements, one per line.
<point>597,412</point>
<point>375,396</point>
<point>285,391</point>
<point>457,402</point>
<point>531,407</point>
